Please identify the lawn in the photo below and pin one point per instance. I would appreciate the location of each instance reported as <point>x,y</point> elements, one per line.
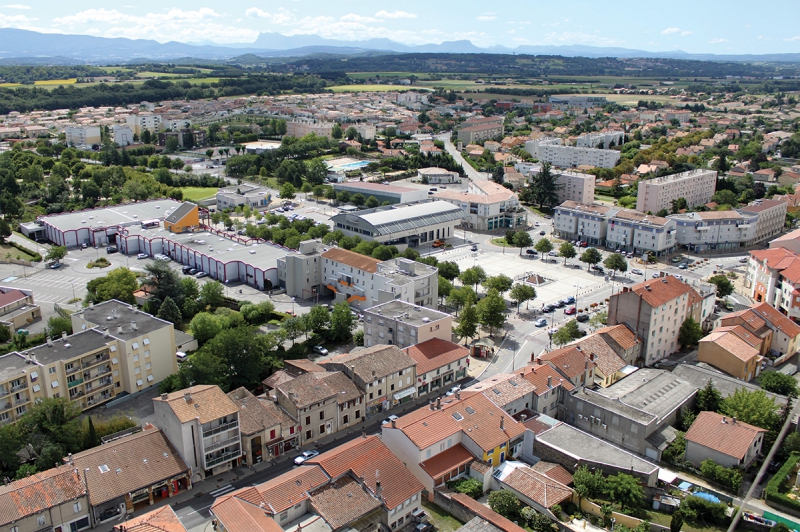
<point>10,252</point>
<point>198,193</point>
<point>501,242</point>
<point>443,521</point>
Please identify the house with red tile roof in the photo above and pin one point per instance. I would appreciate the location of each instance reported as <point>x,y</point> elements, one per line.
<point>439,363</point>
<point>162,519</point>
<point>779,333</point>
<point>532,487</point>
<point>734,350</point>
<point>509,391</point>
<point>571,364</point>
<point>726,440</point>
<point>17,309</point>
<point>773,277</point>
<point>438,443</point>
<point>550,387</point>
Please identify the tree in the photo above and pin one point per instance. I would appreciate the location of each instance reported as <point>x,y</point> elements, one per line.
<point>502,283</point>
<point>205,326</point>
<point>777,382</point>
<point>755,407</point>
<point>459,297</point>
<point>725,197</point>
<point>318,319</point>
<point>5,334</point>
<point>616,262</point>
<point>467,327</point>
<point>472,276</point>
<point>336,131</point>
<point>119,284</point>
<point>678,205</point>
<point>724,286</point>
<point>162,282</point>
<point>91,439</point>
<point>56,325</point>
<point>171,144</point>
<point>591,256</point>
<point>676,522</point>
<point>371,202</point>
<point>448,269</point>
<point>708,398</point>
<point>5,230</point>
<point>624,490</point>
<point>56,253</point>
<point>588,483</point>
<point>316,172</point>
<point>294,327</point>
<point>505,503</point>
<point>287,191</point>
<point>491,310</point>
<point>244,353</point>
<point>600,319</point>
<point>567,250</point>
<point>170,312</point>
<point>544,187</point>
<point>544,246</point>
<point>690,332</point>
<point>342,322</point>
<point>522,292</point>
<point>567,333</point>
<point>522,240</point>
<point>212,294</point>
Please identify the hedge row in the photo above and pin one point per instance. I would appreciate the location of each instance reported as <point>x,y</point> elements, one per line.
<point>773,491</point>
<point>35,255</point>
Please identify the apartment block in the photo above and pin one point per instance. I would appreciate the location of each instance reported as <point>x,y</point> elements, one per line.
<point>301,128</point>
<point>585,222</point>
<point>571,156</point>
<point>574,186</point>
<point>144,121</point>
<point>716,230</point>
<point>604,140</point>
<point>203,425</point>
<point>480,129</point>
<point>695,186</point>
<point>401,323</point>
<point>486,205</point>
<point>122,134</point>
<point>771,217</point>
<point>82,135</point>
<point>655,309</point>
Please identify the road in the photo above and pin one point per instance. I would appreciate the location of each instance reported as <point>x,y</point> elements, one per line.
<point>468,169</point>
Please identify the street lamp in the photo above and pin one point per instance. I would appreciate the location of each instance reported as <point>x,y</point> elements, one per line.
<point>73,291</point>
<point>292,306</point>
<point>577,288</point>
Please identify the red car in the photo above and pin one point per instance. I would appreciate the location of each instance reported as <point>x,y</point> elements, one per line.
<point>584,244</point>
<point>570,311</point>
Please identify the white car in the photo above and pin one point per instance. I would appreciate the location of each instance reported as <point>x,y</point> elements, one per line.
<point>453,390</point>
<point>389,419</point>
<point>318,349</point>
<point>307,455</point>
<point>743,260</point>
<point>142,256</point>
<point>636,271</point>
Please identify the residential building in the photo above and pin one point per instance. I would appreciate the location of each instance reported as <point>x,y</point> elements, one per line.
<point>146,343</point>
<point>122,134</point>
<point>486,206</point>
<point>130,473</point>
<point>716,230</point>
<point>392,193</point>
<point>301,128</point>
<point>534,488</point>
<point>655,309</point>
<point>260,425</point>
<point>385,375</point>
<point>479,129</point>
<point>550,388</point>
<point>633,231</point>
<point>771,217</point>
<point>695,186</point>
<point>435,176</point>
<point>144,121</point>
<point>579,102</point>
<point>779,334</point>
<point>440,363</point>
<point>367,131</point>
<point>734,350</point>
<point>253,196</point>
<point>17,308</point>
<point>682,116</point>
<point>203,424</point>
<point>571,364</point>
<point>403,226</point>
<point>162,519</point>
<point>577,221</point>
<point>54,499</point>
<point>636,414</point>
<point>509,391</point>
<point>439,443</point>
<point>605,140</point>
<point>574,186</point>
<point>401,323</point>
<point>82,136</point>
<point>572,157</point>
<point>725,440</point>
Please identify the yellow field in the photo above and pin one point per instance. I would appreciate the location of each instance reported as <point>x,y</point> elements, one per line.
<point>372,88</point>
<point>69,81</point>
<point>10,85</point>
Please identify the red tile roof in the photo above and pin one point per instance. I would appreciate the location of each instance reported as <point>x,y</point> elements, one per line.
<point>36,493</point>
<point>722,434</point>
<point>448,460</point>
<point>6,298</point>
<point>366,458</point>
<point>238,515</point>
<point>568,360</point>
<point>778,320</point>
<point>538,487</point>
<point>537,373</point>
<point>351,258</point>
<point>554,471</point>
<point>486,513</point>
<point>282,492</point>
<point>161,520</point>
<point>435,353</point>
<point>657,292</point>
<point>343,501</point>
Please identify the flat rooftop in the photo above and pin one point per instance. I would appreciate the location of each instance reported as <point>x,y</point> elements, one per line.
<point>75,345</point>
<point>612,405</point>
<point>114,314</point>
<point>12,365</point>
<point>655,391</point>
<point>377,187</point>
<point>698,376</point>
<point>124,215</point>
<point>582,445</point>
<point>407,312</point>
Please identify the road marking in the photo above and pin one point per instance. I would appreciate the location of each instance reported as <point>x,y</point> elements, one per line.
<point>222,491</point>
<point>9,279</point>
<point>200,510</point>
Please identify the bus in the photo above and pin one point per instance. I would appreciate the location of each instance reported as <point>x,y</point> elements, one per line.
<point>147,224</point>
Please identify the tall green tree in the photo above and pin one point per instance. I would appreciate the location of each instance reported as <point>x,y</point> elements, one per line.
<point>625,490</point>
<point>567,333</point>
<point>342,322</point>
<point>318,319</point>
<point>92,439</point>
<point>544,187</point>
<point>522,239</point>
<point>777,382</point>
<point>56,253</point>
<point>162,282</point>
<point>723,284</point>
<point>690,332</point>
<point>459,297</point>
<point>205,326</point>
<point>522,292</point>
<point>616,262</point>
<point>567,250</point>
<point>491,310</point>
<point>170,312</point>
<point>212,294</point>
<point>708,398</point>
<point>467,326</point>
<point>448,269</point>
<point>544,246</point>
<point>501,282</point>
<point>119,284</point>
<point>591,256</point>
<point>755,408</point>
<point>473,276</point>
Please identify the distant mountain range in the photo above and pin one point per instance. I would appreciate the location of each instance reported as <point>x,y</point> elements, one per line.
<point>29,47</point>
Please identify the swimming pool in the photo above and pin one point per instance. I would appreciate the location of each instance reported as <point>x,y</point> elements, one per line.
<point>354,165</point>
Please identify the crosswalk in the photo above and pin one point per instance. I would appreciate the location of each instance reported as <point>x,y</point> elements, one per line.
<point>222,491</point>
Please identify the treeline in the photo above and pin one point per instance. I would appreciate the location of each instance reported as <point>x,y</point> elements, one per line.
<point>28,74</point>
<point>26,99</point>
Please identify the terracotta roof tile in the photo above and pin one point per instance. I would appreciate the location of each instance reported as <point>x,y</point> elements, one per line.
<point>621,334</point>
<point>446,461</point>
<point>254,415</point>
<point>161,520</point>
<point>554,471</point>
<point>537,487</point>
<point>568,360</point>
<point>286,490</point>
<point>208,402</point>
<point>376,362</point>
<point>778,320</point>
<point>537,373</point>
<point>351,258</point>
<point>39,492</point>
<point>341,384</point>
<point>730,342</point>
<point>306,390</point>
<point>435,353</point>
<point>238,515</point>
<point>502,389</point>
<point>343,501</point>
<point>486,513</point>
<point>657,292</point>
<point>277,378</point>
<point>733,439</point>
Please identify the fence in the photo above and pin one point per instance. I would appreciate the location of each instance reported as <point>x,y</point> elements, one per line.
<point>589,507</point>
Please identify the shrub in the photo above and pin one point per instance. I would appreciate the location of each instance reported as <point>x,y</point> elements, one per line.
<point>557,511</point>
<point>706,510</point>
<point>468,486</point>
<point>776,484</point>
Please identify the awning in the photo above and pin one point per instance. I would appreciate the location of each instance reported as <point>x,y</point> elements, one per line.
<point>664,475</point>
<point>405,393</point>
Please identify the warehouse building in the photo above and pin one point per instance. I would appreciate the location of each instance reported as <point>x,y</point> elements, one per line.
<point>391,193</point>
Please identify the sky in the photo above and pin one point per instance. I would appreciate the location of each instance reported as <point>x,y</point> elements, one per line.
<point>697,26</point>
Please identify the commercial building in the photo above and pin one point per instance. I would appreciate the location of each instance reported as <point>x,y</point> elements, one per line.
<point>695,186</point>
<point>725,440</point>
<point>434,176</point>
<point>301,128</point>
<point>398,322</point>
<point>486,206</point>
<point>184,218</point>
<point>402,226</point>
<point>391,193</point>
<point>580,102</point>
<point>253,196</point>
<point>639,233</point>
<point>17,308</point>
<point>655,309</point>
<point>82,136</point>
<point>440,363</point>
<point>262,425</point>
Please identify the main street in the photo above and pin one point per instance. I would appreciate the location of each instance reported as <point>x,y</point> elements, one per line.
<point>468,169</point>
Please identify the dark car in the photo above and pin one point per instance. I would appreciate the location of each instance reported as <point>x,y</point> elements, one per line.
<point>530,251</point>
<point>774,466</point>
<point>582,318</point>
<point>559,304</point>
<point>111,249</point>
<point>55,266</point>
<point>542,233</point>
<point>474,248</point>
<point>423,527</point>
<point>548,308</point>
<point>186,269</point>
<point>192,271</point>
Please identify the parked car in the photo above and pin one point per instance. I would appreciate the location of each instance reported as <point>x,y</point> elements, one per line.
<point>424,527</point>
<point>474,247</point>
<point>438,243</point>
<point>111,249</point>
<point>531,252</point>
<point>676,260</point>
<point>636,271</point>
<point>678,277</point>
<point>559,304</point>
<point>454,389</point>
<point>307,455</point>
<point>584,244</point>
<point>570,300</point>
<point>553,253</point>
<point>582,318</point>
<point>192,271</point>
<point>55,265</point>
<point>541,322</point>
<point>389,419</point>
<point>774,466</point>
<point>656,275</point>
<point>142,256</point>
<point>200,275</point>
<point>743,260</point>
<point>186,269</point>
<point>318,349</point>
<point>548,308</point>
<point>570,311</point>
<point>43,240</point>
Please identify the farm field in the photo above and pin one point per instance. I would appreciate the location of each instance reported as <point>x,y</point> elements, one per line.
<point>372,88</point>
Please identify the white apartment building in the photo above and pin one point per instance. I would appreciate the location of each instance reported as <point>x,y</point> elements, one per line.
<point>403,324</point>
<point>771,217</point>
<point>142,121</point>
<point>634,231</point>
<point>486,206</point>
<point>481,128</point>
<point>695,186</point>
<point>362,281</point>
<point>681,116</point>
<point>571,156</point>
<point>203,425</point>
<point>122,134</point>
<point>176,124</point>
<point>367,131</point>
<point>435,175</point>
<point>301,128</point>
<point>600,140</point>
<point>578,221</point>
<point>82,135</point>
<point>574,186</point>
<point>716,230</point>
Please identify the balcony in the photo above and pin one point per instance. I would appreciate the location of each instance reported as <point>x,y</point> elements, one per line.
<point>18,387</point>
<point>93,361</point>
<point>3,392</point>
<point>74,383</point>
<point>21,400</point>
<point>99,385</point>
<point>221,428</point>
<point>220,444</point>
<point>72,370</point>
<point>222,459</point>
<point>87,375</point>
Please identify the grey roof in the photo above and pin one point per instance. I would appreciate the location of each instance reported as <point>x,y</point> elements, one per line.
<point>75,345</point>
<point>655,391</point>
<point>126,214</point>
<point>122,315</point>
<point>406,312</point>
<point>614,405</point>
<point>181,211</point>
<point>477,524</point>
<point>408,217</point>
<point>699,375</point>
<point>12,365</point>
<point>182,338</point>
<point>661,438</point>
<point>582,445</point>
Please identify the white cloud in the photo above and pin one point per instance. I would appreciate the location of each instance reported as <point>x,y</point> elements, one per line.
<point>18,21</point>
<point>795,38</point>
<point>718,40</point>
<point>280,17</point>
<point>352,17</point>
<point>394,14</point>
<point>174,24</point>
<point>485,18</point>
<point>673,31</point>
<point>17,6</point>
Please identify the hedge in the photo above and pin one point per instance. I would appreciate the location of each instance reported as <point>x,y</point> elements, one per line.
<point>36,257</point>
<point>773,491</point>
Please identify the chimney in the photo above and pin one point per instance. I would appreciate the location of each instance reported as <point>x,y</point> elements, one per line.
<point>523,417</point>
<point>432,406</point>
<point>378,489</point>
<point>438,403</point>
<point>591,357</point>
<point>133,326</point>
<point>586,366</point>
<point>364,434</point>
<point>187,397</point>
<point>458,395</point>
<point>105,332</point>
<point>502,422</point>
<point>119,329</point>
<point>63,335</point>
<point>394,423</point>
<point>549,381</point>
<point>164,396</point>
<point>69,459</point>
<point>724,419</point>
<point>733,419</point>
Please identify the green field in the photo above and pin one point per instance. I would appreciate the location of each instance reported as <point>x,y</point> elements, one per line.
<point>371,88</point>
<point>198,193</point>
<point>8,251</point>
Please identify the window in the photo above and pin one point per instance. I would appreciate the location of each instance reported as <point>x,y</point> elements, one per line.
<point>322,429</point>
<point>136,358</point>
<point>284,516</point>
<point>147,353</point>
<point>54,384</point>
<point>76,507</point>
<point>14,529</point>
<point>146,341</point>
<point>321,416</point>
<point>272,434</point>
<point>345,419</point>
<point>308,434</point>
<point>147,366</point>
<point>308,420</point>
<point>41,520</point>
<point>150,378</point>
<point>358,414</point>
<point>135,345</point>
<point>139,382</point>
<point>137,370</point>
<point>51,370</point>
